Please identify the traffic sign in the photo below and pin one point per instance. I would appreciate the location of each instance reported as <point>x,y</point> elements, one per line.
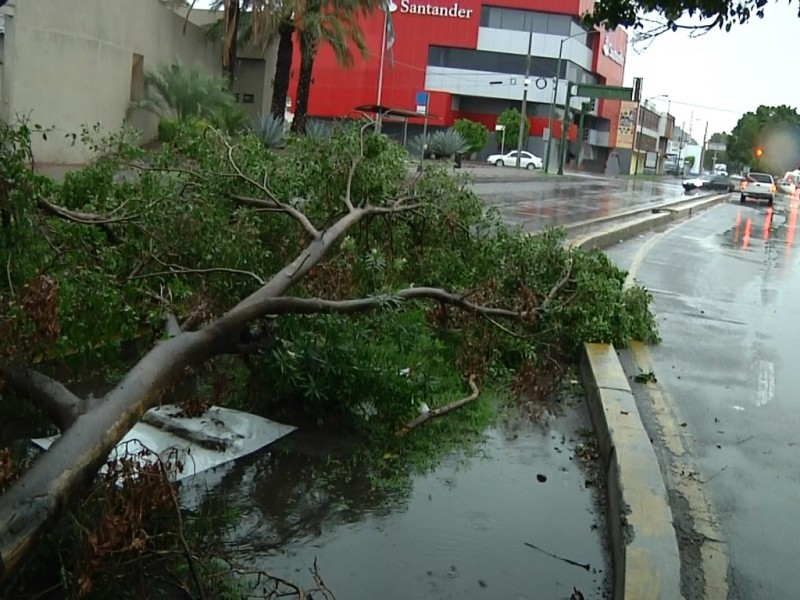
<point>605,92</point>
<point>422,99</point>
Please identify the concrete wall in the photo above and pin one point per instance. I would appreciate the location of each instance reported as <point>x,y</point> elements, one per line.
<point>71,64</point>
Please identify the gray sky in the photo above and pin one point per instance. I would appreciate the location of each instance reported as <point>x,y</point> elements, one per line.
<point>724,74</point>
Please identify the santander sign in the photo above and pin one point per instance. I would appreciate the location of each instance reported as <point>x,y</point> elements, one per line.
<point>454,11</point>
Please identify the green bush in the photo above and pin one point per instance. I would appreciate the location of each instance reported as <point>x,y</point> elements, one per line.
<point>167,130</point>
<point>475,134</point>
<point>510,118</point>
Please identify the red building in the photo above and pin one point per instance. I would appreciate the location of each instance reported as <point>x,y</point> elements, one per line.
<point>470,57</point>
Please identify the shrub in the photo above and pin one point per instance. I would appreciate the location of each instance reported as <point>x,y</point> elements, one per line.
<point>444,144</point>
<point>167,130</point>
<point>475,134</point>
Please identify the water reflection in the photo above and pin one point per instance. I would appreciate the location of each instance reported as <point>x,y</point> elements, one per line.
<point>456,532</point>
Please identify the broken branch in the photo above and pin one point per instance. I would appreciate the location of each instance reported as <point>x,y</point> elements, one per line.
<point>275,205</point>
<point>60,405</point>
<point>442,410</point>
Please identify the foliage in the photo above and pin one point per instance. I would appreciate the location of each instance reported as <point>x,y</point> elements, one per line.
<point>193,226</point>
<point>184,92</point>
<point>167,130</point>
<point>642,14</point>
<point>444,144</point>
<point>270,130</point>
<point>775,129</point>
<point>475,134</point>
<point>510,118</point>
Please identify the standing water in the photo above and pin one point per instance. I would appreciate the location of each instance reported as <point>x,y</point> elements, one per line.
<point>519,518</point>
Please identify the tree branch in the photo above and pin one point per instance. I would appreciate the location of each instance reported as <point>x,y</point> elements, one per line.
<point>442,410</point>
<point>60,405</point>
<point>176,270</point>
<point>273,204</point>
<point>77,216</point>
<point>306,306</point>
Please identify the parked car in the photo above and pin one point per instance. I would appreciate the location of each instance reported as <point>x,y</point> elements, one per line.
<point>789,183</point>
<point>526,160</point>
<point>709,181</point>
<point>758,185</point>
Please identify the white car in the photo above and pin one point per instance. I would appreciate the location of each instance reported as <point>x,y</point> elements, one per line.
<point>758,185</point>
<point>526,160</point>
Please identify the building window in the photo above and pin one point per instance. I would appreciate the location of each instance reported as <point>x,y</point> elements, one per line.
<point>248,98</point>
<point>528,20</point>
<point>137,78</point>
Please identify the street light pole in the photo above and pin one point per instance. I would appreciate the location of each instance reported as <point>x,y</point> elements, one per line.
<point>525,82</point>
<point>551,122</point>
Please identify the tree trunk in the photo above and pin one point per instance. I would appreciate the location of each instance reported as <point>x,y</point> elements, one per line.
<point>308,51</point>
<point>230,42</point>
<point>283,68</point>
<point>57,477</point>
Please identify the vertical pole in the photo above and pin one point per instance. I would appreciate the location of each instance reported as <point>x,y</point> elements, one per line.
<point>550,122</point>
<point>564,131</point>
<point>503,143</point>
<point>678,164</point>
<point>703,150</point>
<point>639,138</point>
<point>523,116</point>
<point>379,98</point>
<point>584,108</point>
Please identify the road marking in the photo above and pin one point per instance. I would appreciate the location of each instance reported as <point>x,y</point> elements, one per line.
<point>646,248</point>
<point>766,382</point>
<point>680,475</point>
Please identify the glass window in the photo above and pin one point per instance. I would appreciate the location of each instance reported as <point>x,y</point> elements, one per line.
<point>513,19</point>
<point>559,25</point>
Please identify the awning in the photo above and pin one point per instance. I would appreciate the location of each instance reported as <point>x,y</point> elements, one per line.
<point>388,111</point>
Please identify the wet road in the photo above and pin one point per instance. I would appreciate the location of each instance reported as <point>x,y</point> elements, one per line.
<point>726,286</point>
<point>552,202</point>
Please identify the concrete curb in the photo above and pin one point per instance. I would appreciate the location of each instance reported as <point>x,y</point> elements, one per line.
<point>644,547</point>
<point>632,228</point>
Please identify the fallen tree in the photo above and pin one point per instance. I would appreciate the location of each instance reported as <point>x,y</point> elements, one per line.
<point>139,240</point>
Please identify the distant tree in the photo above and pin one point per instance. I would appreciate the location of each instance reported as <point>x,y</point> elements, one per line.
<point>475,134</point>
<point>774,129</point>
<point>510,118</point>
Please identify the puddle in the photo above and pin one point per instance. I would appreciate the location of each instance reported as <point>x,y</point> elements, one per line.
<point>459,531</point>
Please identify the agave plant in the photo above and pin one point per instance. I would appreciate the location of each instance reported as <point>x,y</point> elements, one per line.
<point>317,129</point>
<point>417,143</point>
<point>270,130</point>
<point>444,144</point>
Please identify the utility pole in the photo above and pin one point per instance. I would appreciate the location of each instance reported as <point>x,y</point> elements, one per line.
<point>703,150</point>
<point>525,82</point>
<point>678,164</point>
<point>638,140</point>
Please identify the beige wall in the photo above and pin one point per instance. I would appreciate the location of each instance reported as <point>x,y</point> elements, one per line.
<point>69,63</point>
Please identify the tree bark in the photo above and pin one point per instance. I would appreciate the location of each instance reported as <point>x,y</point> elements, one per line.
<point>308,51</point>
<point>283,68</point>
<point>230,44</point>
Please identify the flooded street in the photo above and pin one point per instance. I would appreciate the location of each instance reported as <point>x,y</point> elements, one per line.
<point>459,531</point>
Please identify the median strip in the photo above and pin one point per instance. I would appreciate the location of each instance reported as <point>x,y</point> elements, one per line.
<point>644,547</point>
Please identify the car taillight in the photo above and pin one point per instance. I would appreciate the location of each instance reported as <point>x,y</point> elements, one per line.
<point>774,188</point>
<point>743,185</point>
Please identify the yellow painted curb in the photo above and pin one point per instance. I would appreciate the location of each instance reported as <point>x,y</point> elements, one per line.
<point>644,546</point>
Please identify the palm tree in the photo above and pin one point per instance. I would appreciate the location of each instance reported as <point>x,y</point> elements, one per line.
<point>259,23</point>
<point>181,92</point>
<point>333,22</point>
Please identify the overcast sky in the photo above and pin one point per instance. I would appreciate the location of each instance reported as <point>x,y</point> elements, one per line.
<point>723,74</point>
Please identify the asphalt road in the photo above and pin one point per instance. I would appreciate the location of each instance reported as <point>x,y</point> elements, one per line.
<point>551,201</point>
<point>726,287</point>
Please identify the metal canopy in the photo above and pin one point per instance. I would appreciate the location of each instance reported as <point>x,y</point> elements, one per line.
<point>394,112</point>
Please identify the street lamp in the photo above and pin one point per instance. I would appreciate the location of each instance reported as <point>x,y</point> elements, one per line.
<point>550,122</point>
<point>639,126</point>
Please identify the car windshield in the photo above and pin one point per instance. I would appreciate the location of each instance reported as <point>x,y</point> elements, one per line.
<point>760,177</point>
